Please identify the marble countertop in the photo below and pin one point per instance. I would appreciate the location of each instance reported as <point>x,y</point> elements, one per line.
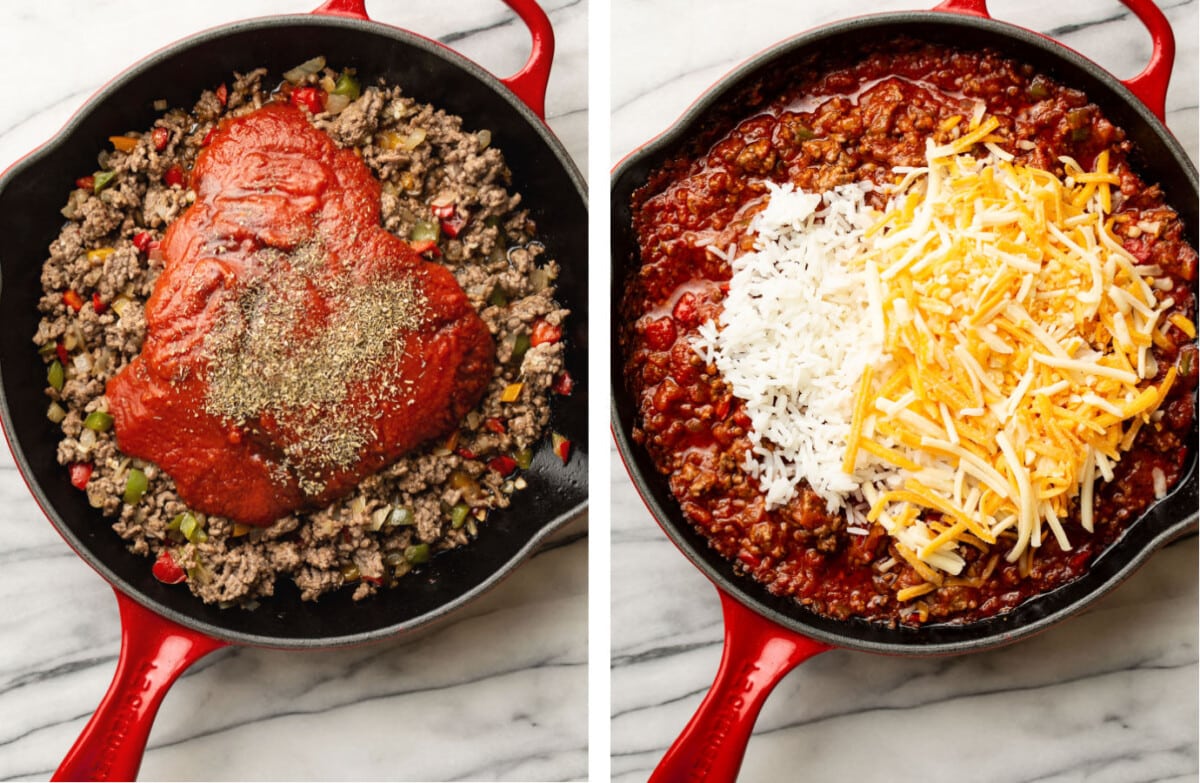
<point>498,692</point>
<point>1109,695</point>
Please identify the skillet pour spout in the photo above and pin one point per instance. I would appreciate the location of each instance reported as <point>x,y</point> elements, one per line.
<point>767,635</point>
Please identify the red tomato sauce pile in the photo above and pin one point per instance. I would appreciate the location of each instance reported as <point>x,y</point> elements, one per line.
<point>374,349</point>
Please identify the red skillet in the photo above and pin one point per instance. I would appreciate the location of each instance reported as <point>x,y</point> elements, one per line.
<point>164,629</point>
<point>767,636</point>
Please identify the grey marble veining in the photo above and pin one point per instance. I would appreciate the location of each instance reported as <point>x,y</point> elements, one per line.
<point>1110,695</point>
<point>499,692</point>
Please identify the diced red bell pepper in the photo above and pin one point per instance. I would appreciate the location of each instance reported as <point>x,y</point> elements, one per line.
<point>504,465</point>
<point>465,453</point>
<point>166,570</point>
<point>142,241</point>
<point>544,332</point>
<point>161,138</point>
<point>561,446</point>
<point>685,310</point>
<point>495,425</point>
<point>223,95</point>
<point>375,580</point>
<point>80,473</point>
<point>660,334</point>
<point>311,98</point>
<point>98,304</point>
<point>87,183</point>
<point>723,408</point>
<point>72,299</point>
<point>748,559</point>
<point>564,384</point>
<point>61,350</point>
<point>174,176</point>
<point>208,136</point>
<point>453,225</point>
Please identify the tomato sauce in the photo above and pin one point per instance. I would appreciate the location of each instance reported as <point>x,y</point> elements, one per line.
<point>293,346</point>
<point>830,123</point>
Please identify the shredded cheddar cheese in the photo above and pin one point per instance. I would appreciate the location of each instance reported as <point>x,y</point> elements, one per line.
<point>1004,290</point>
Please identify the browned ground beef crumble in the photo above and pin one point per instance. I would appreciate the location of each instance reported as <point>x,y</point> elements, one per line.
<point>424,160</point>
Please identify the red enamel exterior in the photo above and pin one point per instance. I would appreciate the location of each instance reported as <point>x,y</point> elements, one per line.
<point>154,652</point>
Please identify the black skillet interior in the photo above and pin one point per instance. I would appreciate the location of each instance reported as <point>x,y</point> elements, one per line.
<point>1163,161</point>
<point>32,193</point>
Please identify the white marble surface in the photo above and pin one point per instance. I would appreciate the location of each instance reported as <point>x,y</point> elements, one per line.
<point>1110,695</point>
<point>497,693</point>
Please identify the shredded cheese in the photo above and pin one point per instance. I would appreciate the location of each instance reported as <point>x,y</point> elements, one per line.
<point>1046,319</point>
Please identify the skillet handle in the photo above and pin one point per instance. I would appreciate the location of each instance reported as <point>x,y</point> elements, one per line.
<point>154,652</point>
<point>756,656</point>
<point>354,9</point>
<point>1150,86</point>
<point>529,83</point>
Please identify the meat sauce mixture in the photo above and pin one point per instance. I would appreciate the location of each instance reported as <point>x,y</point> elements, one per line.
<point>302,331</point>
<point>835,123</point>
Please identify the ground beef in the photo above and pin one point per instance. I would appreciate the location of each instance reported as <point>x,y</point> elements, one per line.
<point>425,160</point>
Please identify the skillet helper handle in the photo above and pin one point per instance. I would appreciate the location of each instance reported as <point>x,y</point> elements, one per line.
<point>756,656</point>
<point>354,9</point>
<point>1150,86</point>
<point>154,652</point>
<point>529,83</point>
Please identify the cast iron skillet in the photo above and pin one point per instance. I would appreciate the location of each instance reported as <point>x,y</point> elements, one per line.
<point>165,629</point>
<point>765,635</point>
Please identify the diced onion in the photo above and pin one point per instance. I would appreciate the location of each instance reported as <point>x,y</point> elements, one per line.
<point>379,517</point>
<point>402,141</point>
<point>335,104</point>
<point>56,413</point>
<point>306,68</point>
